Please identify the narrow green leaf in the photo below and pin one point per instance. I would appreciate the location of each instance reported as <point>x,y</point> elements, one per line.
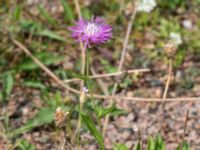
<point>76,75</point>
<point>68,11</point>
<point>29,26</point>
<point>183,146</point>
<point>46,15</point>
<point>16,13</point>
<point>92,128</point>
<point>138,146</point>
<point>111,110</point>
<point>50,34</point>
<point>150,144</point>
<point>24,145</point>
<point>120,147</point>
<point>28,64</point>
<point>159,143</point>
<point>87,13</point>
<point>1,96</point>
<point>44,116</point>
<point>7,85</point>
<point>34,84</point>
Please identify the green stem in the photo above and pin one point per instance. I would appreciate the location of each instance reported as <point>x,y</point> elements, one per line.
<point>90,87</point>
<point>88,80</point>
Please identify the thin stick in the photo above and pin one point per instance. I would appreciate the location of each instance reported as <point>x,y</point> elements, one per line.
<point>161,107</point>
<point>159,115</point>
<point>168,79</point>
<point>42,66</point>
<point>97,96</point>
<point>110,74</point>
<point>121,62</point>
<point>78,10</point>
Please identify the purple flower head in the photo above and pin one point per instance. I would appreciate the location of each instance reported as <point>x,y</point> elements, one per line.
<point>91,32</point>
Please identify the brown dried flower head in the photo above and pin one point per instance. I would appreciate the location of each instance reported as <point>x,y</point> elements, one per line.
<point>60,117</point>
<point>170,49</point>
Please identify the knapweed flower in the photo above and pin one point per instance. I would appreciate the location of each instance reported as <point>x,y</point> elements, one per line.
<point>95,31</point>
<point>146,5</point>
<point>175,38</point>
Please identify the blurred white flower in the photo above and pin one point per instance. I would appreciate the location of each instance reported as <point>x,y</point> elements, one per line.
<point>175,38</point>
<point>187,24</point>
<point>146,5</point>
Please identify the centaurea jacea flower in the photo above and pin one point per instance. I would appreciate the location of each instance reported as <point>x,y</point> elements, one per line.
<point>91,32</point>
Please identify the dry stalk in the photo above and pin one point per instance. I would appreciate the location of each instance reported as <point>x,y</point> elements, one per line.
<point>168,80</point>
<point>78,10</point>
<point>121,62</point>
<point>161,107</point>
<point>42,66</point>
<point>159,115</point>
<point>96,76</point>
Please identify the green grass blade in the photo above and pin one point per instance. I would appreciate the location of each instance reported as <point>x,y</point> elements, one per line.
<point>46,15</point>
<point>69,16</point>
<point>92,128</point>
<point>50,34</point>
<point>138,146</point>
<point>44,116</point>
<point>120,147</point>
<point>7,86</point>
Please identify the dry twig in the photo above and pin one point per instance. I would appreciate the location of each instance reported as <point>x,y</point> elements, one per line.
<point>110,74</point>
<point>168,79</point>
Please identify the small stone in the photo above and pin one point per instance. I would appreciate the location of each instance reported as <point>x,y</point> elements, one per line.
<point>126,134</point>
<point>130,117</point>
<point>25,111</point>
<point>158,92</point>
<point>135,128</point>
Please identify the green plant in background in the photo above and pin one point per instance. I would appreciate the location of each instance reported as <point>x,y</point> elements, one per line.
<point>158,143</point>
<point>24,145</point>
<point>8,83</point>
<point>68,13</point>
